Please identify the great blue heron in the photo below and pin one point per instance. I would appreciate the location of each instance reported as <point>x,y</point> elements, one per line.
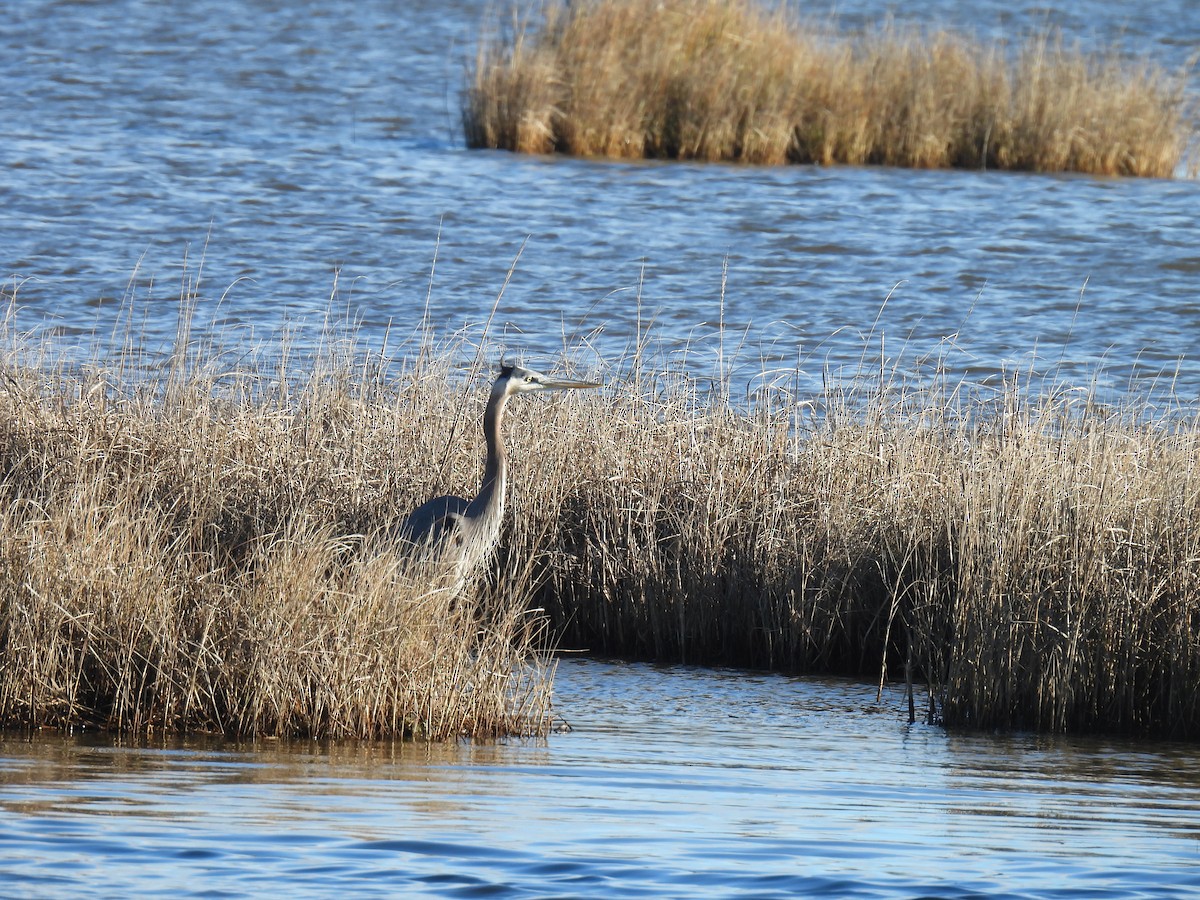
<point>462,533</point>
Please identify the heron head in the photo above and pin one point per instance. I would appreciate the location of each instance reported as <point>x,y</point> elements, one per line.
<point>518,380</point>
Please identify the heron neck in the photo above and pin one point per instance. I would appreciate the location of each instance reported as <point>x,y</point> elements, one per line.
<point>490,499</point>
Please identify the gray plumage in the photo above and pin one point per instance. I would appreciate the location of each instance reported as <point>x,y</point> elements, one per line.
<point>463,533</point>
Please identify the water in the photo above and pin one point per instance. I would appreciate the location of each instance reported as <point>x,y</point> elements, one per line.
<point>674,782</point>
<point>298,157</point>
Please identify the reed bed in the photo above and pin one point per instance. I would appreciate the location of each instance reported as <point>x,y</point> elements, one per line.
<point>208,552</point>
<point>741,80</point>
<point>1037,561</point>
<point>205,550</point>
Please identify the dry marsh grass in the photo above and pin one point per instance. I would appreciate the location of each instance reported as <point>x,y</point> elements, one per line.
<point>187,554</point>
<point>736,80</point>
<point>1038,561</point>
<point>195,555</point>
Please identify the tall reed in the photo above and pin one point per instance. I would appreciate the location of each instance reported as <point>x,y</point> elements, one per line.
<point>1037,559</point>
<point>208,552</point>
<point>746,81</point>
<point>205,550</point>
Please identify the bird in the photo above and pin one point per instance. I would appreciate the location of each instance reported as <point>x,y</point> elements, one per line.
<point>460,533</point>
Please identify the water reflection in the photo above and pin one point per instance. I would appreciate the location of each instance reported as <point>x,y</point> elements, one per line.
<point>674,780</point>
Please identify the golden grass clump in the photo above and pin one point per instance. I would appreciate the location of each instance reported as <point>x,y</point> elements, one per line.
<point>190,556</point>
<point>208,550</point>
<point>741,81</point>
<point>1039,562</point>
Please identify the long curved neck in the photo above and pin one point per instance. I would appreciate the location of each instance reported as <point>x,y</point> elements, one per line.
<point>490,499</point>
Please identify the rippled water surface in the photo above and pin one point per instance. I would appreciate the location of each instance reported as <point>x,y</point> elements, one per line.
<point>283,154</point>
<point>674,782</point>
<point>294,152</point>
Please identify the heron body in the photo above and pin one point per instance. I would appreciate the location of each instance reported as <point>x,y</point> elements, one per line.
<point>461,532</point>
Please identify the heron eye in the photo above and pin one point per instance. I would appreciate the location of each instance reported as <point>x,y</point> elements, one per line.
<point>529,378</point>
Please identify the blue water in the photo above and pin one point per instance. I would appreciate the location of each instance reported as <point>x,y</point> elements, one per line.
<point>278,163</point>
<point>298,158</point>
<point>675,782</point>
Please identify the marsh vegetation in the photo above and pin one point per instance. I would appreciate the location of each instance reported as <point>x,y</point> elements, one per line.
<point>209,551</point>
<point>741,80</point>
<point>198,547</point>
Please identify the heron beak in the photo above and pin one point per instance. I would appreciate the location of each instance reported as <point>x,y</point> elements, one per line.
<point>561,384</point>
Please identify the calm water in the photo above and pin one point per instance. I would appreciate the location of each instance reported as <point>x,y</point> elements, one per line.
<point>294,152</point>
<point>674,783</point>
